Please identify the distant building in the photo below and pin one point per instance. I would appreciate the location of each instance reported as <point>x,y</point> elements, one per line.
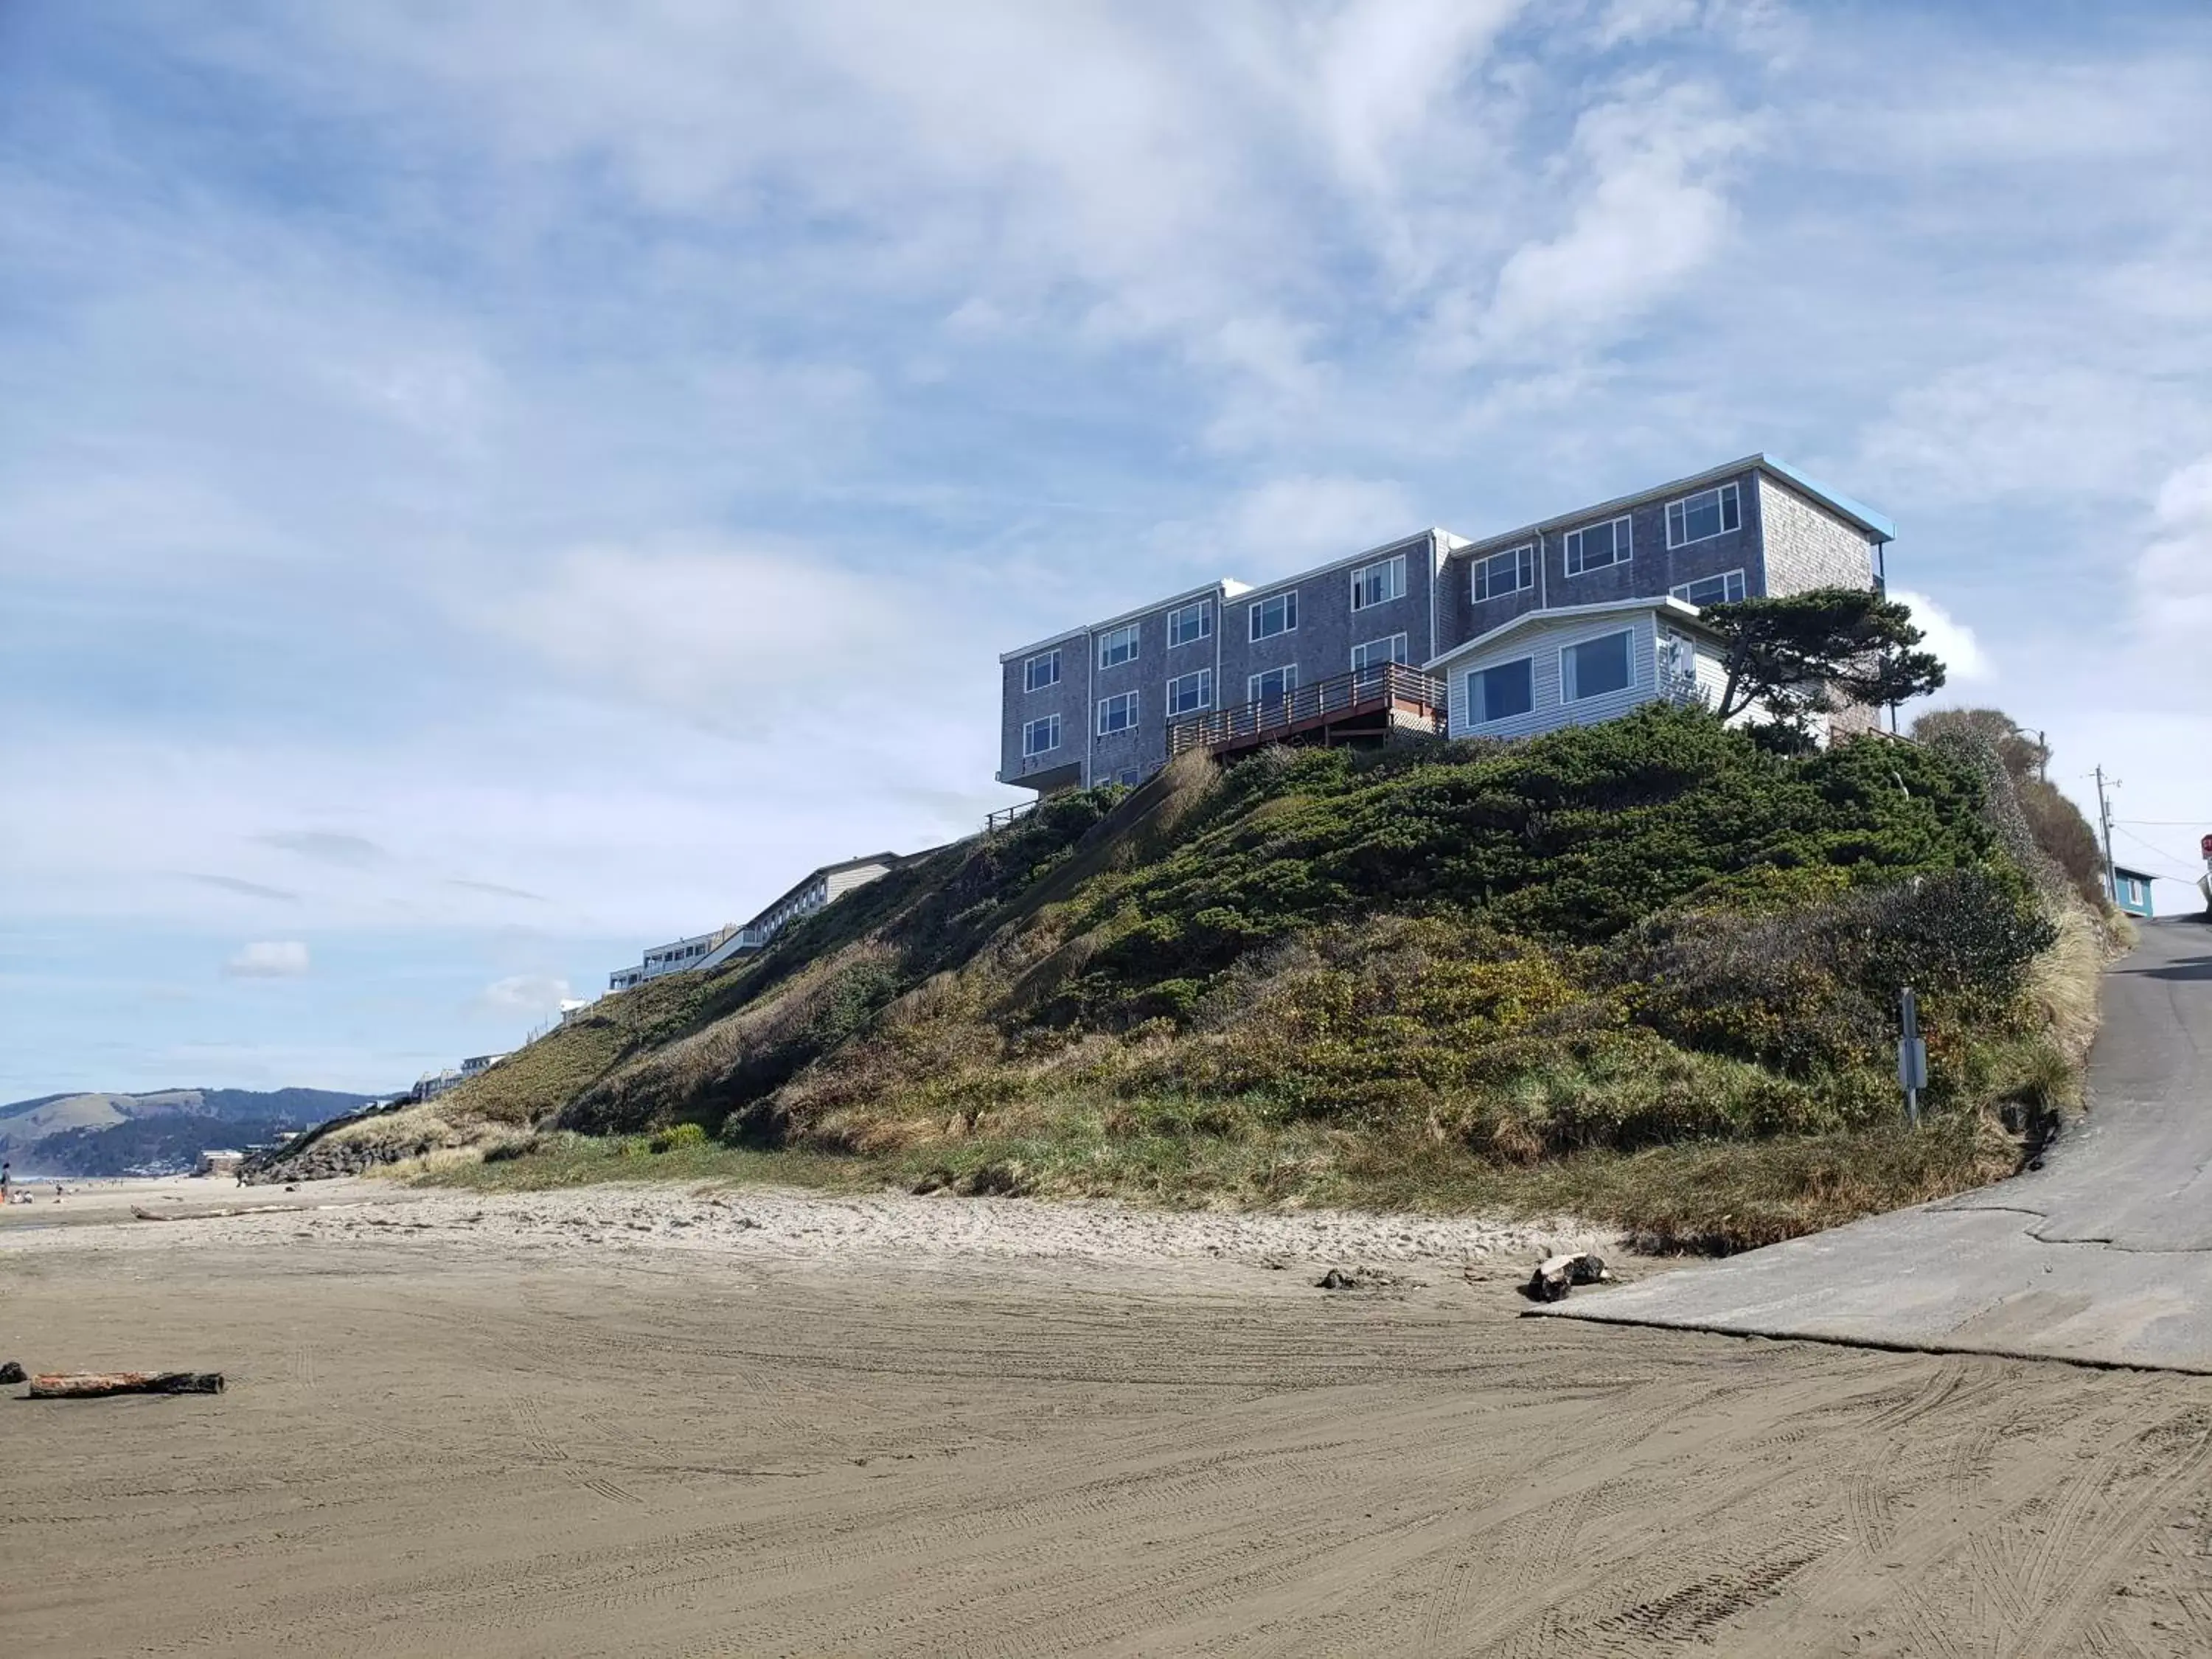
<point>672,957</point>
<point>431,1084</point>
<point>480,1063</point>
<point>2131,891</point>
<point>218,1164</point>
<point>704,951</point>
<point>820,887</point>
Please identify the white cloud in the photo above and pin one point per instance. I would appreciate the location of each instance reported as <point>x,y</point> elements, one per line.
<point>1653,209</point>
<point>1951,640</point>
<point>1286,522</point>
<point>526,993</point>
<point>703,628</point>
<point>2033,429</point>
<point>2174,577</point>
<point>269,959</point>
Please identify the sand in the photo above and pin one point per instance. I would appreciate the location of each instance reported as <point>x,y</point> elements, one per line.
<point>648,1421</point>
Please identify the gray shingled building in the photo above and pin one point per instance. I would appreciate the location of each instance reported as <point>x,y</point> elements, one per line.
<point>1575,618</point>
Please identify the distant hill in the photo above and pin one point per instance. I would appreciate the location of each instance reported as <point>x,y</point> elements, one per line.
<point>96,1134</point>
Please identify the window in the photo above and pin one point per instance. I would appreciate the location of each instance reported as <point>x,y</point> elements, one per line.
<point>1376,653</point>
<point>1277,616</point>
<point>1699,517</point>
<point>1039,735</point>
<point>1042,670</point>
<point>1378,584</point>
<point>1273,686</point>
<point>1595,546</point>
<point>1712,589</point>
<point>1117,645</point>
<point>1500,693</point>
<point>1117,713</point>
<point>1192,624</point>
<point>1594,667</point>
<point>1190,692</point>
<point>1504,572</point>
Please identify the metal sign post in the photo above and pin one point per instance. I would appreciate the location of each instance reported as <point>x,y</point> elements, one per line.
<point>1911,1056</point>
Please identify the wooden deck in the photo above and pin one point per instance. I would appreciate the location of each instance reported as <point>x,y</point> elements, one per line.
<point>1364,704</point>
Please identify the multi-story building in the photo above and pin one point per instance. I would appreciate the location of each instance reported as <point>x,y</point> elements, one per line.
<point>706,951</point>
<point>1599,604</point>
<point>672,957</point>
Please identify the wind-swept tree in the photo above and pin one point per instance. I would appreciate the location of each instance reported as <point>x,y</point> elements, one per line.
<point>1814,652</point>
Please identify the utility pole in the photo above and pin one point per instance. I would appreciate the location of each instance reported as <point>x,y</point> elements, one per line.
<point>2104,818</point>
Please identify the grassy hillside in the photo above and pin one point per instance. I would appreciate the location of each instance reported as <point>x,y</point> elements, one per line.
<point>1646,970</point>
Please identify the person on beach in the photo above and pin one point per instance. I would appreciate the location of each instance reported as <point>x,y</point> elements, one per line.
<point>7,1189</point>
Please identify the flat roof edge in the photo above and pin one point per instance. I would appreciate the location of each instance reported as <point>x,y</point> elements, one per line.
<point>1864,516</point>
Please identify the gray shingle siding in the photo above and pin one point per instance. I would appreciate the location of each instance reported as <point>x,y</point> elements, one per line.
<point>1321,646</point>
<point>1806,546</point>
<point>1019,706</point>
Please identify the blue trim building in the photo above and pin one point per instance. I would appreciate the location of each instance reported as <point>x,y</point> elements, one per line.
<point>2131,891</point>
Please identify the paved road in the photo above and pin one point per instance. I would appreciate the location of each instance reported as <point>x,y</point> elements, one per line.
<point>2105,1255</point>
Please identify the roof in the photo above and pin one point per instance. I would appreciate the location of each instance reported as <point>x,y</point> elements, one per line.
<point>1677,611</point>
<point>2140,875</point>
<point>1843,505</point>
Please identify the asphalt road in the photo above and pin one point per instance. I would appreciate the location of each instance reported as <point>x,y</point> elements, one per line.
<point>2103,1256</point>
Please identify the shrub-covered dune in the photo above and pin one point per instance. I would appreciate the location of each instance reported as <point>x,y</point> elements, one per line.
<point>1647,971</point>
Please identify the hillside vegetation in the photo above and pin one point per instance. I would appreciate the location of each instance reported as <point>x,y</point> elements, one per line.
<point>1646,970</point>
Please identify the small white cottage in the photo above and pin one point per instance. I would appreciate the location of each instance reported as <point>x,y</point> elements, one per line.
<point>1578,664</point>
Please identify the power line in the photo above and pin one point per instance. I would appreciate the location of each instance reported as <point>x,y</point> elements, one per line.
<point>2191,875</point>
<point>2162,823</point>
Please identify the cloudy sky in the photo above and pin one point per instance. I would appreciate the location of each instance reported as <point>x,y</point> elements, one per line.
<point>487,486</point>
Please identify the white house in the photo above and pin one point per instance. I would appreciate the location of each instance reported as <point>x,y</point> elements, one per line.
<point>672,957</point>
<point>1578,664</point>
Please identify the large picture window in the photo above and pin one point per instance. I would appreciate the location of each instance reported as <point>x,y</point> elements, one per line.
<point>1188,693</point>
<point>1117,713</point>
<point>1724,589</point>
<point>1509,572</point>
<point>1277,614</point>
<point>1500,693</point>
<point>1594,667</point>
<point>1699,517</point>
<point>1190,623</point>
<point>1376,653</point>
<point>1597,545</point>
<point>1379,583</point>
<point>1273,686</point>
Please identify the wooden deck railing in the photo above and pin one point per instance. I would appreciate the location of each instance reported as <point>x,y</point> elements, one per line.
<point>1387,687</point>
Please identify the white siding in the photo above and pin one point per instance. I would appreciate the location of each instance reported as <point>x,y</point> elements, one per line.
<point>846,880</point>
<point>1543,642</point>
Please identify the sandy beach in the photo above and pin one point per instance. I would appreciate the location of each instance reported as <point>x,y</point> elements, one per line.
<point>645,1420</point>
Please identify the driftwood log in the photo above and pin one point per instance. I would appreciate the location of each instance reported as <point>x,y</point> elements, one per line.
<point>97,1385</point>
<point>1556,1274</point>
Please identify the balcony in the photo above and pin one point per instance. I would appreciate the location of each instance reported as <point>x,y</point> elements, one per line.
<point>1366,704</point>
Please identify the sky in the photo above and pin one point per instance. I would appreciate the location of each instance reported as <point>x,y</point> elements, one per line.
<point>489,486</point>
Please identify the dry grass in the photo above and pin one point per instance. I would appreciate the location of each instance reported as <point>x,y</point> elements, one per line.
<point>1714,1197</point>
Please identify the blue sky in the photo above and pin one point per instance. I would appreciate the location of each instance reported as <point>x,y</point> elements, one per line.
<point>487,487</point>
